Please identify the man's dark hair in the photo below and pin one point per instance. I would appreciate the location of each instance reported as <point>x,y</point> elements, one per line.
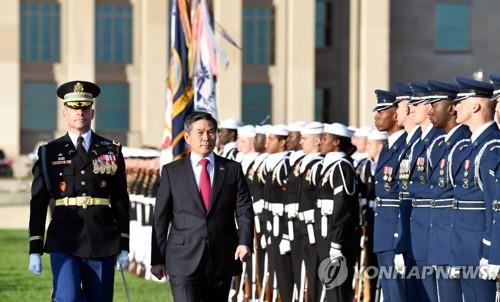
<point>196,116</point>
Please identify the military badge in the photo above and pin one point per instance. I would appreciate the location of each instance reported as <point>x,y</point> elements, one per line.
<point>387,186</point>
<point>466,167</point>
<point>95,164</point>
<point>465,183</point>
<point>296,171</point>
<point>421,164</point>
<point>421,179</point>
<point>404,185</point>
<point>441,182</point>
<point>102,184</point>
<point>309,176</point>
<point>442,165</point>
<point>62,186</point>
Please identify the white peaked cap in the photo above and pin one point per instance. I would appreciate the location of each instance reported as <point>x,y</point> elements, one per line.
<point>363,131</point>
<point>312,128</point>
<point>376,135</point>
<point>279,129</point>
<point>230,124</point>
<point>338,129</point>
<point>296,126</point>
<point>246,131</point>
<point>262,129</point>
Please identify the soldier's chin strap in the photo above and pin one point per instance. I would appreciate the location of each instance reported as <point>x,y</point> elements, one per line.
<point>45,172</point>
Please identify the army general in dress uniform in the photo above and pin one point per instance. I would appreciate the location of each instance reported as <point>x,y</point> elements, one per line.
<point>85,174</point>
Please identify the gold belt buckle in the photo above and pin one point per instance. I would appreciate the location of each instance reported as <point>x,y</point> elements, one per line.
<point>85,201</point>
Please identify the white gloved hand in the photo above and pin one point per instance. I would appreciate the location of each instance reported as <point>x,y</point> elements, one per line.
<point>263,243</point>
<point>35,265</point>
<point>335,254</point>
<point>493,271</point>
<point>483,269</point>
<point>454,272</point>
<point>284,246</point>
<point>122,260</point>
<point>399,264</point>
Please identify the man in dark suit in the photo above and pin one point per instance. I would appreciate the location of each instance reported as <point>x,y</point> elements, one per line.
<point>85,174</point>
<point>203,218</point>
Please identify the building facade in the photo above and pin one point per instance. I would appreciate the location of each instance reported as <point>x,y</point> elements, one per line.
<point>299,60</point>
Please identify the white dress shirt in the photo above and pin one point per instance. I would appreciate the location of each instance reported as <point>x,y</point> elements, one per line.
<point>86,139</point>
<point>394,137</point>
<point>480,130</point>
<point>195,163</point>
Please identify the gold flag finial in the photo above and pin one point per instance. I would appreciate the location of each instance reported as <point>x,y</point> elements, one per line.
<point>78,88</point>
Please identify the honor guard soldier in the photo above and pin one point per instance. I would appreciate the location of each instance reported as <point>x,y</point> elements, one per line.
<point>491,189</point>
<point>275,175</point>
<point>419,205</point>
<point>338,207</point>
<point>85,174</point>
<point>402,246</point>
<point>440,190</point>
<point>256,188</point>
<point>359,140</point>
<point>366,188</point>
<point>386,190</point>
<point>291,201</point>
<point>246,156</point>
<point>469,247</point>
<point>304,254</point>
<point>227,136</point>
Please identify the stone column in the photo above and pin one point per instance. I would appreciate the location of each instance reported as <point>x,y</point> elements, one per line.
<point>77,47</point>
<point>369,59</point>
<point>229,80</point>
<point>148,86</point>
<point>10,85</point>
<point>300,56</point>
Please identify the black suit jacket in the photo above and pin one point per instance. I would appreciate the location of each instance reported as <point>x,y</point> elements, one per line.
<point>182,229</point>
<point>92,232</point>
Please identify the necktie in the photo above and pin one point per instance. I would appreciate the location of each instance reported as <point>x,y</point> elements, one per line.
<point>205,187</point>
<point>79,148</point>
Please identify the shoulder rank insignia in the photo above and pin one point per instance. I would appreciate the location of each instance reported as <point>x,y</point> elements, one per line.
<point>116,143</point>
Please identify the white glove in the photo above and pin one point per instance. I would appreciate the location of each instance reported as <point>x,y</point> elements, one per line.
<point>263,242</point>
<point>399,264</point>
<point>292,210</point>
<point>335,254</point>
<point>35,265</point>
<point>493,271</point>
<point>483,269</point>
<point>362,241</point>
<point>454,272</point>
<point>326,207</point>
<point>122,260</point>
<point>284,246</point>
<point>258,206</point>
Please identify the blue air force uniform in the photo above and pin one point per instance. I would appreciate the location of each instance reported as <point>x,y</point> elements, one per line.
<point>469,217</point>
<point>490,175</point>
<point>440,195</point>
<point>387,202</point>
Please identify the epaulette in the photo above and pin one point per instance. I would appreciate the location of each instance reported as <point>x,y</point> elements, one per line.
<point>463,142</point>
<point>431,146</point>
<point>116,143</point>
<point>489,146</point>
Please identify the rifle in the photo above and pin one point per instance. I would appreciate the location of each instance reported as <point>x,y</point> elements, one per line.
<point>362,289</point>
<point>302,281</point>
